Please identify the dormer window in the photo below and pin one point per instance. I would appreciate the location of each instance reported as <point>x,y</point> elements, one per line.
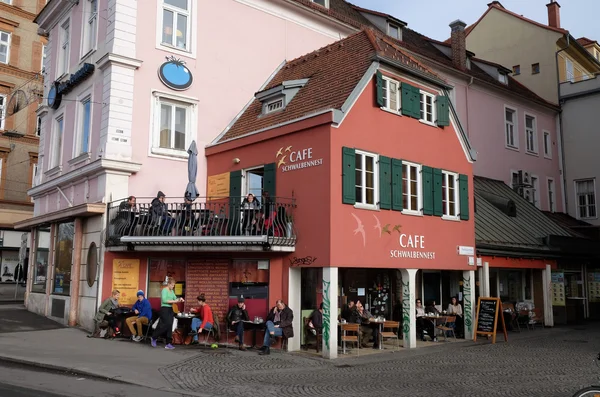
<point>468,63</point>
<point>324,3</point>
<point>274,105</point>
<point>502,78</point>
<point>394,31</point>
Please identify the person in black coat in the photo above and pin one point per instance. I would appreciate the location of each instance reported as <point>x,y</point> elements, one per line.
<point>236,317</point>
<point>159,212</point>
<point>279,324</point>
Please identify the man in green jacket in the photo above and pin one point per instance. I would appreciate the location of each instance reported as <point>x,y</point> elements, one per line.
<point>105,312</point>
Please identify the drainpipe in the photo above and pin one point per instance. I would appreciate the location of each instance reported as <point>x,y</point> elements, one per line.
<point>560,131</point>
<point>77,246</point>
<point>467,112</point>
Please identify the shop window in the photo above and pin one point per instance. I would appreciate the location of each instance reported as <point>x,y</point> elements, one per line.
<point>249,278</point>
<point>40,265</point>
<point>63,258</point>
<point>10,264</point>
<point>159,270</point>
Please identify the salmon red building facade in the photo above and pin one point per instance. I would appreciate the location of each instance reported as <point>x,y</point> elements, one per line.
<point>380,172</point>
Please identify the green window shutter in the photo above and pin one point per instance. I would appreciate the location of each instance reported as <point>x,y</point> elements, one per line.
<point>416,102</point>
<point>427,185</point>
<point>397,185</point>
<point>269,179</point>
<point>438,205</point>
<point>348,176</point>
<point>380,82</point>
<point>407,99</point>
<point>385,183</point>
<point>235,201</point>
<point>442,110</point>
<point>463,185</point>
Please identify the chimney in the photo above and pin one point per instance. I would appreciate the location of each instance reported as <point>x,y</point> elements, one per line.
<point>553,14</point>
<point>458,44</point>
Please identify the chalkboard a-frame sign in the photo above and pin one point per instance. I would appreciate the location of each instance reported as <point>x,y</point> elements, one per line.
<point>486,321</point>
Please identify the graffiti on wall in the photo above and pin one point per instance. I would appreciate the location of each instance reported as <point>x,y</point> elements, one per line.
<point>326,312</point>
<point>468,302</point>
<point>406,301</point>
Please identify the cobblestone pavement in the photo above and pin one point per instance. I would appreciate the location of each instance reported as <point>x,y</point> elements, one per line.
<point>549,362</point>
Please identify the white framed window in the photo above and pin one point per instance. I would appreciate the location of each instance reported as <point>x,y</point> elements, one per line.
<point>570,70</point>
<point>411,188</point>
<point>551,195</point>
<point>394,31</point>
<point>502,78</point>
<point>64,49</point>
<point>510,128</point>
<point>450,196</point>
<point>274,105</point>
<point>174,123</point>
<point>427,108</point>
<point>44,55</point>
<point>3,104</point>
<point>531,133</point>
<point>90,30</point>
<point>4,46</point>
<point>57,142</point>
<point>534,191</point>
<point>324,3</point>
<point>176,24</point>
<point>38,126</point>
<point>367,177</point>
<point>391,94</point>
<point>85,131</point>
<point>34,175</point>
<point>547,145</point>
<point>585,191</point>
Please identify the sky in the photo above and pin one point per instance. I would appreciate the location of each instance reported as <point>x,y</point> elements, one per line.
<point>432,17</point>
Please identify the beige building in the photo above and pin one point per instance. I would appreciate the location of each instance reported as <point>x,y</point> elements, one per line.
<point>541,55</point>
<point>21,89</point>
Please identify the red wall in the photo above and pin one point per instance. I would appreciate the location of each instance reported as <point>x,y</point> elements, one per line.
<point>518,263</point>
<point>369,128</point>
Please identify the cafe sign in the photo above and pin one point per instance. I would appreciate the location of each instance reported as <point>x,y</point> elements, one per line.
<point>60,88</point>
<point>290,159</point>
<point>412,247</point>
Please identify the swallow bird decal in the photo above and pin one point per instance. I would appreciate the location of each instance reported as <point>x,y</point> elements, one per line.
<point>360,228</point>
<point>378,224</point>
<point>386,229</point>
<point>279,152</point>
<point>288,149</point>
<point>281,162</point>
<point>397,228</point>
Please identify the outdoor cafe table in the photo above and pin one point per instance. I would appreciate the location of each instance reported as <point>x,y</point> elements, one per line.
<point>435,319</point>
<point>251,325</point>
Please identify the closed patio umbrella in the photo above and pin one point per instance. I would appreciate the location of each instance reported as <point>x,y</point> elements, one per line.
<point>191,191</point>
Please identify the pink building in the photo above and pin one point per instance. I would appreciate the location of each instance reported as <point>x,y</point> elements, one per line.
<point>120,116</point>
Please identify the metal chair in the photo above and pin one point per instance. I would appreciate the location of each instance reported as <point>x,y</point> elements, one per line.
<point>393,325</point>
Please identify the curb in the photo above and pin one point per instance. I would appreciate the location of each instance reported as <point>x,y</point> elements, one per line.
<point>27,364</point>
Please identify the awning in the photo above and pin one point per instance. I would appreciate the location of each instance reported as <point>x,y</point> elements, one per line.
<point>82,210</point>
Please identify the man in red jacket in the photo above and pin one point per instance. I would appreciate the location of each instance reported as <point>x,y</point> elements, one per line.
<point>205,321</point>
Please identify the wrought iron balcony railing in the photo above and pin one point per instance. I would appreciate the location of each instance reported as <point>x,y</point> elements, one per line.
<point>206,221</point>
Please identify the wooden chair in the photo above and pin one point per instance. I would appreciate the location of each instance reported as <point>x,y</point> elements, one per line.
<point>448,326</point>
<point>524,319</point>
<point>354,338</point>
<point>391,325</point>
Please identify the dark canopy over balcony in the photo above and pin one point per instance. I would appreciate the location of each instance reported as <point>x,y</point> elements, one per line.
<point>208,223</point>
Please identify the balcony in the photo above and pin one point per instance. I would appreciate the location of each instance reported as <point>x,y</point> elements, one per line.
<point>207,224</point>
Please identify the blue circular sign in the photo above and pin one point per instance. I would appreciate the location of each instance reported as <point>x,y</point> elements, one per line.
<point>54,97</point>
<point>175,75</point>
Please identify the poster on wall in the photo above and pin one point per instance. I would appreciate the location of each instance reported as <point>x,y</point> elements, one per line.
<point>10,260</point>
<point>210,278</point>
<point>126,277</point>
<point>558,289</point>
<point>594,287</point>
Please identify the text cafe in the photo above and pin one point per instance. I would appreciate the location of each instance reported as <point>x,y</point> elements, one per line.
<point>221,279</point>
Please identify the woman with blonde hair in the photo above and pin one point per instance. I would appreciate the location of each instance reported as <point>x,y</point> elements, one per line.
<point>165,324</point>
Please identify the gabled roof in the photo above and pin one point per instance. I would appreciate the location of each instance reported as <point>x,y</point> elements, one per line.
<point>380,14</point>
<point>527,230</point>
<point>333,72</point>
<point>340,10</point>
<point>584,41</point>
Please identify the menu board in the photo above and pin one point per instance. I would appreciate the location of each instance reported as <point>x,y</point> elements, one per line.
<point>126,277</point>
<point>558,289</point>
<point>488,314</point>
<point>218,186</point>
<point>211,278</point>
<point>594,287</point>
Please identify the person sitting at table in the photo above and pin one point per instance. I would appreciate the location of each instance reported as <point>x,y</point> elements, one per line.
<point>424,326</point>
<point>160,213</point>
<point>432,308</point>
<point>363,317</point>
<point>347,311</point>
<point>250,207</point>
<point>315,323</point>
<point>455,309</point>
<point>279,324</point>
<point>144,313</point>
<point>105,313</point>
<point>236,317</point>
<point>187,221</point>
<point>206,320</point>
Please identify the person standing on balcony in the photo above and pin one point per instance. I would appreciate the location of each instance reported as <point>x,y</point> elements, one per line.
<point>165,324</point>
<point>250,207</point>
<point>160,213</point>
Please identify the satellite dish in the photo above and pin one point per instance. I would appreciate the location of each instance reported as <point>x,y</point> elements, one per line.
<point>17,102</point>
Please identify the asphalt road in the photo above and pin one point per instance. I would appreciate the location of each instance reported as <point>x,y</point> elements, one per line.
<point>20,381</point>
